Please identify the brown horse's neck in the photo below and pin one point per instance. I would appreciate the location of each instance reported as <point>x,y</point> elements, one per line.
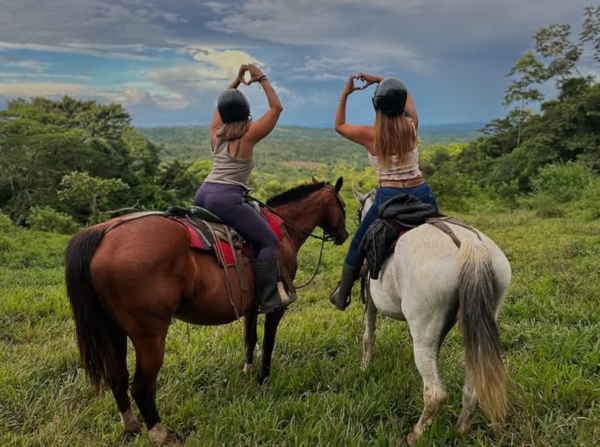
<point>306,213</point>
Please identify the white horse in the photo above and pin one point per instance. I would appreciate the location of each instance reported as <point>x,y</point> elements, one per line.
<point>430,283</point>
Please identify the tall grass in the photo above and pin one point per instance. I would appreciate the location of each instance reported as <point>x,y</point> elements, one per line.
<point>317,395</point>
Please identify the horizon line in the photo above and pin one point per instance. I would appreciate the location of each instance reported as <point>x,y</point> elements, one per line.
<point>317,125</point>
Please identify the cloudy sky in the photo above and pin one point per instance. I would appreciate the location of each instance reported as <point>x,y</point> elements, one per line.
<point>167,60</point>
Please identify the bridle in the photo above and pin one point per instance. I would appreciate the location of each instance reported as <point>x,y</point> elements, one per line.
<point>325,237</point>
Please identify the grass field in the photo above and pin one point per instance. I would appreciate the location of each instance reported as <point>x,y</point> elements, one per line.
<point>550,331</point>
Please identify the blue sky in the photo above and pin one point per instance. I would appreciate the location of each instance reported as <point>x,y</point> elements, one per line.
<point>167,60</point>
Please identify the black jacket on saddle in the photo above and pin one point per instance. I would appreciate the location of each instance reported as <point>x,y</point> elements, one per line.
<point>398,214</point>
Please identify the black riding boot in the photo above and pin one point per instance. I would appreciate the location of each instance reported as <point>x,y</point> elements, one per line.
<point>266,278</point>
<point>340,298</point>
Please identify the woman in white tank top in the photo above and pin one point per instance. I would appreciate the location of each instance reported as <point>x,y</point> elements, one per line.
<point>392,148</point>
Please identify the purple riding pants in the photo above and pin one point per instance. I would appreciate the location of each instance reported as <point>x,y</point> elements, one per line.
<point>227,202</point>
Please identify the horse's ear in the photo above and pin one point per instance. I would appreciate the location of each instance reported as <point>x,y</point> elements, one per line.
<point>360,197</point>
<point>339,184</point>
<point>315,181</point>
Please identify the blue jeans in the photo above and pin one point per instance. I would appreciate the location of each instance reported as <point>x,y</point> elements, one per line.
<point>423,192</point>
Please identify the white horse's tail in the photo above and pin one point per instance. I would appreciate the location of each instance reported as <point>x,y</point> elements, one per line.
<point>479,299</point>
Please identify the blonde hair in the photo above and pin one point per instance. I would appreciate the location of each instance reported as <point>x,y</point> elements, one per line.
<point>393,136</point>
<point>233,131</point>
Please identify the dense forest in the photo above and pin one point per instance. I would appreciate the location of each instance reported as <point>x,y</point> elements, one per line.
<point>68,163</point>
<point>287,142</point>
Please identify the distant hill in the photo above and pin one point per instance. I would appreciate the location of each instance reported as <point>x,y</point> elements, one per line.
<point>298,144</point>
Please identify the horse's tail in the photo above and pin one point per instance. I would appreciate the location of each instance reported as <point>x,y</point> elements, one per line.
<point>93,325</point>
<point>480,297</point>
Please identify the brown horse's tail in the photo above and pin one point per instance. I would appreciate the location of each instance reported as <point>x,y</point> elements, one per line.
<point>93,325</point>
<point>479,300</point>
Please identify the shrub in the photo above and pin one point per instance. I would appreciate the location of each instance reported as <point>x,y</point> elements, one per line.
<point>590,198</point>
<point>5,222</point>
<point>47,219</point>
<point>564,183</point>
<point>545,205</point>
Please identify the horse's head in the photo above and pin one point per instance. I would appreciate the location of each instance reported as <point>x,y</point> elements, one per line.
<point>365,201</point>
<point>334,219</point>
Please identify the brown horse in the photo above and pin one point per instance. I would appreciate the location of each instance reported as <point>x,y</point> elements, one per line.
<point>131,282</point>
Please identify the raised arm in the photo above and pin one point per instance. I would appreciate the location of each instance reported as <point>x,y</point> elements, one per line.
<point>411,110</point>
<point>265,125</point>
<point>216,121</point>
<point>362,135</point>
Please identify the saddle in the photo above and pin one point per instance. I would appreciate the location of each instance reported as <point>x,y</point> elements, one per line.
<point>398,216</point>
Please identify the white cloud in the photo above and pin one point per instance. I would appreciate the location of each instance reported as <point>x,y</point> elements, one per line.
<point>317,77</point>
<point>45,89</point>
<point>133,52</point>
<point>194,82</point>
<point>132,95</point>
<point>14,61</point>
<point>81,77</point>
<point>227,62</point>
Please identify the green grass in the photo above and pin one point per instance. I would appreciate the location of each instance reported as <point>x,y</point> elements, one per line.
<point>550,331</point>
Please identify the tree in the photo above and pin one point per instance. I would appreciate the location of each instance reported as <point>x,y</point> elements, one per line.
<point>81,189</point>
<point>144,155</point>
<point>554,42</point>
<point>590,30</point>
<point>33,159</point>
<point>530,72</point>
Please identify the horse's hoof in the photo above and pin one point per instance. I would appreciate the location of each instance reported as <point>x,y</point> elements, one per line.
<point>263,380</point>
<point>248,368</point>
<point>463,426</point>
<point>412,439</point>
<point>131,424</point>
<point>159,435</point>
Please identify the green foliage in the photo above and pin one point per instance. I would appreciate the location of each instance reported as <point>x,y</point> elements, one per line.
<point>591,198</point>
<point>47,219</point>
<point>564,183</point>
<point>5,222</point>
<point>90,193</point>
<point>590,29</point>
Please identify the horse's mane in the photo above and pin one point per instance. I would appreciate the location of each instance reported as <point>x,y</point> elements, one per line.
<point>296,193</point>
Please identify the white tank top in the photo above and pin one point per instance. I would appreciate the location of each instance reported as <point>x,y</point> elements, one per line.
<point>405,169</point>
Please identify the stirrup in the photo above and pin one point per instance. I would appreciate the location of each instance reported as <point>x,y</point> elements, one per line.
<point>286,298</point>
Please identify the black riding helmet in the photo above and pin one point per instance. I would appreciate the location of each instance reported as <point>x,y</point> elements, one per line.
<point>390,96</point>
<point>233,106</point>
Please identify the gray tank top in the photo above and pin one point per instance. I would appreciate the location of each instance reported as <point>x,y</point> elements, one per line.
<point>227,169</point>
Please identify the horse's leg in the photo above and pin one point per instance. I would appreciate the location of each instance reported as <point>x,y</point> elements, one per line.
<point>149,351</point>
<point>250,338</point>
<point>118,380</point>
<point>427,341</point>
<point>469,402</point>
<point>369,337</point>
<point>271,323</point>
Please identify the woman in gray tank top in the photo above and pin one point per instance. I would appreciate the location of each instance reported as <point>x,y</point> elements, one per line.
<point>233,137</point>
